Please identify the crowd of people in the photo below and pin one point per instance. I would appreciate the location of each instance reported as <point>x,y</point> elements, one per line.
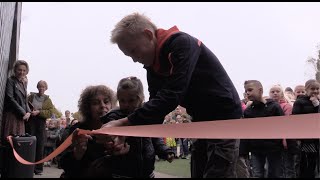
<point>187,83</point>
<point>276,158</point>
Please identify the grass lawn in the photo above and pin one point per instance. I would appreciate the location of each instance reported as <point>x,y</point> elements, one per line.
<point>179,167</point>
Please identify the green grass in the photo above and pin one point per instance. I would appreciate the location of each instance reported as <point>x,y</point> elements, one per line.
<point>179,167</point>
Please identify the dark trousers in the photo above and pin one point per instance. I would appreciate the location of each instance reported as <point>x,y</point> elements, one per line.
<point>308,164</point>
<point>274,164</point>
<point>37,127</point>
<point>184,149</point>
<point>288,164</point>
<point>243,169</point>
<point>214,158</point>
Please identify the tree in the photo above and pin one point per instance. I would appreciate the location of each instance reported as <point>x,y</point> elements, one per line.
<point>315,62</point>
<point>57,112</point>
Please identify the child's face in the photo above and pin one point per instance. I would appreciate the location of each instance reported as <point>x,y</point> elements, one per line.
<point>100,105</point>
<point>313,89</point>
<point>52,124</point>
<point>128,100</point>
<point>299,91</point>
<point>179,119</point>
<point>63,123</point>
<point>178,110</point>
<point>140,48</point>
<point>245,96</point>
<point>275,93</point>
<point>253,91</point>
<point>173,122</point>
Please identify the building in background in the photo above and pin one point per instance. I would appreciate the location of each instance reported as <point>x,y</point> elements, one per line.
<point>10,18</point>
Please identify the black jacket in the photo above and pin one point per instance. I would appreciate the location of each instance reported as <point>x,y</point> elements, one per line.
<point>139,162</point>
<point>259,109</point>
<point>187,73</point>
<point>303,105</point>
<point>16,100</point>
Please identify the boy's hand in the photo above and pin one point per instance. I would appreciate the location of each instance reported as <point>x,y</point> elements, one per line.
<point>315,101</point>
<point>170,157</point>
<point>114,145</point>
<point>249,103</point>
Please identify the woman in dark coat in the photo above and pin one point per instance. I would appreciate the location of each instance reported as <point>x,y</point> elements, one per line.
<point>16,110</point>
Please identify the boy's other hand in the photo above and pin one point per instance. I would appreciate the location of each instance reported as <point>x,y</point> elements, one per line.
<point>170,157</point>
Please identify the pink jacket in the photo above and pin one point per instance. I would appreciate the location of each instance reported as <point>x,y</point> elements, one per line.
<point>243,105</point>
<point>286,107</point>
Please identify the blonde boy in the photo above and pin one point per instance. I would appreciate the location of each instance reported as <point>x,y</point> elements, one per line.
<point>181,70</point>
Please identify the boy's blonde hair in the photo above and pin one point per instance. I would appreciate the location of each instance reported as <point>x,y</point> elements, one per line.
<point>298,86</point>
<point>255,82</point>
<point>130,26</point>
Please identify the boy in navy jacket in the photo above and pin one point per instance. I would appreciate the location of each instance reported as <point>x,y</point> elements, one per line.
<point>181,70</point>
<point>262,149</point>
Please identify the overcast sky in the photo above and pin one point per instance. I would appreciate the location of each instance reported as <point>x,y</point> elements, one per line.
<point>68,44</point>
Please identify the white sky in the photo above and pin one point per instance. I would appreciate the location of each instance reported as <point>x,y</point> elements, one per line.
<point>67,44</point>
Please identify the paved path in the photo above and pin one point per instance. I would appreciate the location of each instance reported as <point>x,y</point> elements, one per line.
<point>53,172</point>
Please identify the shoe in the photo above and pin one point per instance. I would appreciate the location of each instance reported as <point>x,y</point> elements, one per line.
<point>37,173</point>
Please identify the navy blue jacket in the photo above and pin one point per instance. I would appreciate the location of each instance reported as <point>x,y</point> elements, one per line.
<point>259,109</point>
<point>185,72</point>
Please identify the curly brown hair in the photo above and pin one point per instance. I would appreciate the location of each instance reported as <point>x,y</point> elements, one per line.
<point>88,93</point>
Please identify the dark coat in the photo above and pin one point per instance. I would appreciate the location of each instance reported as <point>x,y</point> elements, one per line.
<point>259,109</point>
<point>15,107</point>
<point>187,73</point>
<point>303,105</point>
<point>16,98</point>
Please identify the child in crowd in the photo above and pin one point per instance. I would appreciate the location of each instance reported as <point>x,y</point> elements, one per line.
<point>176,65</point>
<point>305,104</point>
<point>262,149</point>
<point>291,149</point>
<point>299,90</point>
<point>289,94</point>
<point>52,136</point>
